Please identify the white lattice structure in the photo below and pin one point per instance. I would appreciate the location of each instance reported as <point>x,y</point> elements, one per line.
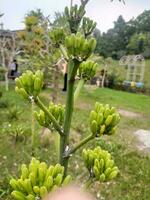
<point>135,67</point>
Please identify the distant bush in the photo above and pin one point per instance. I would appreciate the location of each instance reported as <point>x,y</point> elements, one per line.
<point>19,133</point>
<point>3,102</point>
<point>2,71</point>
<point>13,112</point>
<point>146,53</point>
<point>113,81</point>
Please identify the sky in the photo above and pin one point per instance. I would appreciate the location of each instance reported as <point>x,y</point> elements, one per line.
<point>103,12</point>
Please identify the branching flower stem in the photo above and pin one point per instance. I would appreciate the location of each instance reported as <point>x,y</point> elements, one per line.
<point>32,125</point>
<point>64,141</point>
<point>80,144</point>
<point>54,121</point>
<point>65,153</point>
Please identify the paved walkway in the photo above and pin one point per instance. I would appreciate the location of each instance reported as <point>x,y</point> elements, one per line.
<point>144,139</point>
<point>143,136</point>
<point>127,113</point>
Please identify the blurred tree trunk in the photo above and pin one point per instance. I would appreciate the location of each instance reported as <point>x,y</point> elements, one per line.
<point>8,51</point>
<point>4,65</point>
<point>71,3</point>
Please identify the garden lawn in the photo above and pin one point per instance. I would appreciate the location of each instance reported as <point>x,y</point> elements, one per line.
<point>133,181</point>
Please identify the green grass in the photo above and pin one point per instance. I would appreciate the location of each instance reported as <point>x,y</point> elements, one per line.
<point>133,180</point>
<point>120,99</point>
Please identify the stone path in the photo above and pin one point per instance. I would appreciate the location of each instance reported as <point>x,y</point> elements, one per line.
<point>144,139</point>
<point>127,113</point>
<point>143,136</point>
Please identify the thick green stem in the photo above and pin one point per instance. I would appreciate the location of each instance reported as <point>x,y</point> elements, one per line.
<point>69,109</point>
<point>32,125</point>
<point>54,121</point>
<point>64,141</point>
<point>78,89</point>
<point>80,144</point>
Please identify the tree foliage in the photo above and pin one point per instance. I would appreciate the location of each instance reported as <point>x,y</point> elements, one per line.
<point>125,37</point>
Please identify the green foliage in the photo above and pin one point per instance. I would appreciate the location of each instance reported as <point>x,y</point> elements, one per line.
<point>37,180</point>
<point>1,94</point>
<point>139,43</point>
<point>142,22</point>
<point>13,112</point>
<point>2,70</point>
<point>136,43</point>
<point>99,164</point>
<point>3,103</point>
<point>111,43</point>
<point>125,37</point>
<point>18,133</point>
<point>35,43</point>
<point>60,20</point>
<point>30,22</point>
<point>113,80</point>
<point>36,13</point>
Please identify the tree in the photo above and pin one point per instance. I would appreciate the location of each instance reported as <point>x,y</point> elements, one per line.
<point>36,13</point>
<point>8,51</point>
<point>143,22</point>
<point>139,44</point>
<point>120,33</point>
<point>125,37</point>
<point>113,42</point>
<point>60,20</point>
<point>35,41</point>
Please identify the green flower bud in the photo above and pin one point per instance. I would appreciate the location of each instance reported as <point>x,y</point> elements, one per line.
<point>37,180</point>
<point>99,164</point>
